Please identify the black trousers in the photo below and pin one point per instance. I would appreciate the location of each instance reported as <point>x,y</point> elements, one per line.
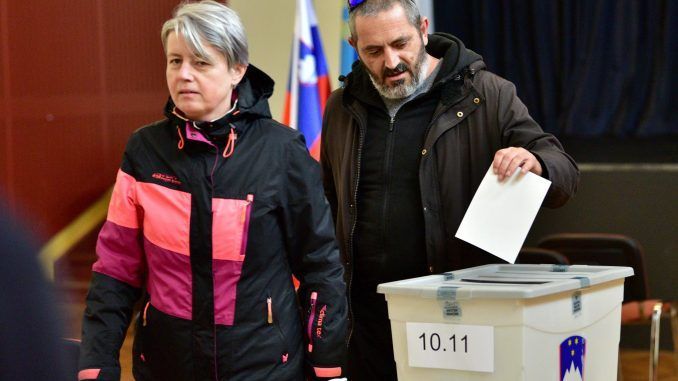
<point>370,352</point>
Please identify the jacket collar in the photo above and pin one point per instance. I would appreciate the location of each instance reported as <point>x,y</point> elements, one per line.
<point>250,102</point>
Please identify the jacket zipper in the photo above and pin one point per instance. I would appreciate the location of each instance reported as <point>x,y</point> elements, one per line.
<point>387,175</point>
<point>214,323</point>
<point>361,141</point>
<point>214,326</point>
<point>270,321</point>
<point>269,309</point>
<point>145,314</point>
<point>144,322</point>
<point>311,319</point>
<point>246,222</point>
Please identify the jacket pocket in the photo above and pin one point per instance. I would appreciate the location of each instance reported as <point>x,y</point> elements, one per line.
<point>143,332</point>
<point>161,346</point>
<point>141,345</point>
<point>230,227</point>
<point>144,314</point>
<point>272,321</point>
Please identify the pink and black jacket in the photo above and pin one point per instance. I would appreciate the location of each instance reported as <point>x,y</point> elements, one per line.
<point>207,224</point>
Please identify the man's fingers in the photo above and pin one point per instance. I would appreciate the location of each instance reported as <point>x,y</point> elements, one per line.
<point>508,160</point>
<point>526,166</point>
<point>513,165</point>
<point>501,162</point>
<point>496,163</point>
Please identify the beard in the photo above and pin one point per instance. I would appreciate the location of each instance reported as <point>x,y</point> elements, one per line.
<point>405,87</point>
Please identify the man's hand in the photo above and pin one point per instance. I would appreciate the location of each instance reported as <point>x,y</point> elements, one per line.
<point>507,160</point>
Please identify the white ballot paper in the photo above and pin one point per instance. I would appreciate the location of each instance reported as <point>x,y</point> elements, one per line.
<point>501,214</point>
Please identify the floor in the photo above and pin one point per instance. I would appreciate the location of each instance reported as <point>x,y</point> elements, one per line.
<point>635,366</point>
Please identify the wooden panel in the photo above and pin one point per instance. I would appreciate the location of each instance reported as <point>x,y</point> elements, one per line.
<point>59,171</point>
<point>53,47</point>
<point>5,185</point>
<point>84,75</point>
<point>135,60</point>
<point>4,159</point>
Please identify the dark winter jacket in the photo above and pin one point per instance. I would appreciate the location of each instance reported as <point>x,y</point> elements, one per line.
<point>211,220</point>
<point>477,114</point>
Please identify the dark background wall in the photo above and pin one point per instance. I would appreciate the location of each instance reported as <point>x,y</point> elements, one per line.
<point>584,68</point>
<point>76,78</point>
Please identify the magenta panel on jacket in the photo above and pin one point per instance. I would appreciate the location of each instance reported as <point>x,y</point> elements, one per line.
<point>119,253</point>
<point>226,276</point>
<point>169,281</point>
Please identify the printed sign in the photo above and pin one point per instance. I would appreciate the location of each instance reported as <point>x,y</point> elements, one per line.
<point>451,346</point>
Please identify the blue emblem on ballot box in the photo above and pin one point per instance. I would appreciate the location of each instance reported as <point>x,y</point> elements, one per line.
<point>572,353</point>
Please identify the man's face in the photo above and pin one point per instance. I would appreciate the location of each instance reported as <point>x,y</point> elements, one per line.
<point>392,50</point>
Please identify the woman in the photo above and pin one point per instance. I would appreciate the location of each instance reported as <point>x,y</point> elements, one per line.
<point>213,210</point>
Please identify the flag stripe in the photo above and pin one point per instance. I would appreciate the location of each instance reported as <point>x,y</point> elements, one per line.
<point>308,85</point>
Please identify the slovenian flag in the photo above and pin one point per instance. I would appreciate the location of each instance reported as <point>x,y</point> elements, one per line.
<point>309,84</point>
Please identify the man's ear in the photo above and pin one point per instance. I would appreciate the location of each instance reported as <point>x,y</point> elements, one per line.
<point>352,42</point>
<point>423,29</point>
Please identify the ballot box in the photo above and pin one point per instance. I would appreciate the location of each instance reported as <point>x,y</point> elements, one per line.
<point>508,323</point>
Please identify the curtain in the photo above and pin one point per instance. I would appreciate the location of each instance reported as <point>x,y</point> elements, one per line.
<point>587,68</point>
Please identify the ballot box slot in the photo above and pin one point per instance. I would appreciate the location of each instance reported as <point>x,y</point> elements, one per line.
<point>493,281</point>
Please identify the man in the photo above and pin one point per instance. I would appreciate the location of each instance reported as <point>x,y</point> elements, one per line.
<point>405,145</point>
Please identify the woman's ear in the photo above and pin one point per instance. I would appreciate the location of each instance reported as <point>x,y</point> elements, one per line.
<point>238,72</point>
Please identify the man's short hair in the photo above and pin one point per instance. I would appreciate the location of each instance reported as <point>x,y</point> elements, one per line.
<point>373,7</point>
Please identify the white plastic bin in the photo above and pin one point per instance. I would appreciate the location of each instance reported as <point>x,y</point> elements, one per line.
<point>508,323</point>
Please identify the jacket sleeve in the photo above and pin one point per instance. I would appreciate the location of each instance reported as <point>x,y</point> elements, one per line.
<point>115,286</point>
<point>520,130</point>
<point>315,261</point>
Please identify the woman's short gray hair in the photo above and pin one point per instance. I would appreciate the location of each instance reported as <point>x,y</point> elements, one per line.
<point>209,22</point>
<point>373,7</point>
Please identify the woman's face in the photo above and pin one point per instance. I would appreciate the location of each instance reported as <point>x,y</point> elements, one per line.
<point>200,89</point>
